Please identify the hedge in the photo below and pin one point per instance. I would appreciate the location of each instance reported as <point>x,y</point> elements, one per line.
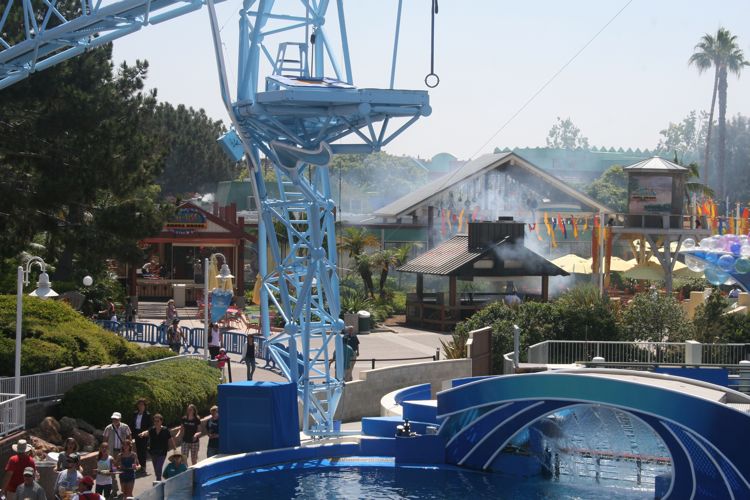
<point>55,335</point>
<point>168,387</point>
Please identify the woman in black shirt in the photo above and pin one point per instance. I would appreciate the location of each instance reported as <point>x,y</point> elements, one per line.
<point>159,442</point>
<point>141,422</point>
<point>190,432</point>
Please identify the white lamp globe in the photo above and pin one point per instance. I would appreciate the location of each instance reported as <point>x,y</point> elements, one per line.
<point>88,281</point>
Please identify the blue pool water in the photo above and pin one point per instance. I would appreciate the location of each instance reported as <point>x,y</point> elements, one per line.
<point>348,479</point>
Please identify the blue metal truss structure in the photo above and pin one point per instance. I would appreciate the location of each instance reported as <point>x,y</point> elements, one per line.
<point>305,110</point>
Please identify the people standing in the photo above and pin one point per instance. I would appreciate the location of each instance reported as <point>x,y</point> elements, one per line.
<point>212,429</point>
<point>116,433</point>
<point>105,467</point>
<point>30,489</point>
<point>68,479</point>
<point>141,422</point>
<point>15,467</point>
<point>248,355</point>
<point>160,441</point>
<point>190,433</point>
<point>349,358</point>
<point>70,446</point>
<point>352,339</point>
<point>129,465</point>
<point>214,340</point>
<point>129,311</point>
<point>171,311</point>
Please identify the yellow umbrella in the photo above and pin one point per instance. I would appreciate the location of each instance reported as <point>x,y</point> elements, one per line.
<point>620,265</point>
<point>572,263</point>
<point>648,271</point>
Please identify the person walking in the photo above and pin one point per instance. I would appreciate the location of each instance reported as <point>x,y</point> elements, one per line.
<point>174,336</point>
<point>67,480</point>
<point>105,468</point>
<point>69,447</point>
<point>190,433</point>
<point>86,490</point>
<point>214,340</point>
<point>352,339</point>
<point>116,433</point>
<point>141,422</point>
<point>30,489</point>
<point>128,466</point>
<point>15,467</point>
<point>176,466</point>
<point>160,441</point>
<point>248,355</point>
<point>171,311</point>
<point>212,429</point>
<point>129,310</point>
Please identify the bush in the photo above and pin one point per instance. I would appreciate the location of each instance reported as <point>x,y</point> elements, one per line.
<point>55,335</point>
<point>168,387</point>
<point>656,319</point>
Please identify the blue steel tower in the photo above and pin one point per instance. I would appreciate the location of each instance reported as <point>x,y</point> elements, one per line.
<point>304,110</point>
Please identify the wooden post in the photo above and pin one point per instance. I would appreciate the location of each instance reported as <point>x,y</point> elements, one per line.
<point>430,223</point>
<point>545,288</point>
<point>452,291</point>
<point>420,287</point>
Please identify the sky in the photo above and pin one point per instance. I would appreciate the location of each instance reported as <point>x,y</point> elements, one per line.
<point>492,56</point>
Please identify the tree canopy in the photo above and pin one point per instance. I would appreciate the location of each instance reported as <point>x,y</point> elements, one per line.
<point>611,188</point>
<point>565,135</point>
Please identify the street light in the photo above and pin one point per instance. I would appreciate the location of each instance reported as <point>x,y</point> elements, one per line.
<point>43,291</point>
<point>224,274</point>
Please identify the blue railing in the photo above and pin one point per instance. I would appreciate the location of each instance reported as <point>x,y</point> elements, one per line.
<point>149,333</point>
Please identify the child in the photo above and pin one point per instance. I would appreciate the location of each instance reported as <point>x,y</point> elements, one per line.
<point>175,466</point>
<point>104,468</point>
<point>128,466</point>
<point>222,359</point>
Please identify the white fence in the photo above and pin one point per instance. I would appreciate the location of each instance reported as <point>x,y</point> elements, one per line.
<point>54,384</point>
<point>565,352</point>
<point>12,413</point>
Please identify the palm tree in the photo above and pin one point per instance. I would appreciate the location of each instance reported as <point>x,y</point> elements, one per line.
<point>356,239</point>
<point>723,54</point>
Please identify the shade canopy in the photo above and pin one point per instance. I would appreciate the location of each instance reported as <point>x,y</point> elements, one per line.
<point>573,263</point>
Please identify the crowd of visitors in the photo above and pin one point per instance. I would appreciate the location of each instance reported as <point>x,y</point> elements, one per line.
<point>120,458</point>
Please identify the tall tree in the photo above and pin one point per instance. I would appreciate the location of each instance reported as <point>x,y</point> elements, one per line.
<point>722,53</point>
<point>194,160</point>
<point>565,135</point>
<point>611,188</point>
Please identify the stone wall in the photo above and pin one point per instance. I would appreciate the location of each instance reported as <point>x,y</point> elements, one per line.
<point>361,398</point>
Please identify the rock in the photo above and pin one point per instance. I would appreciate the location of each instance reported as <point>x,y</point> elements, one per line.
<point>49,430</point>
<point>86,442</point>
<point>85,426</point>
<point>67,426</point>
<point>99,435</point>
<point>40,444</point>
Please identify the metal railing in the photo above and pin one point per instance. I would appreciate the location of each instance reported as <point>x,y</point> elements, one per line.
<point>55,384</point>
<point>570,351</point>
<point>12,413</point>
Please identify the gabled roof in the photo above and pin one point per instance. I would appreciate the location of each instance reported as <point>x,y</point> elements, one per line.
<point>474,168</point>
<point>453,257</point>
<point>655,164</point>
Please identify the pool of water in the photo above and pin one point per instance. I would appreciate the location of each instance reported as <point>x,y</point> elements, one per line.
<point>348,478</point>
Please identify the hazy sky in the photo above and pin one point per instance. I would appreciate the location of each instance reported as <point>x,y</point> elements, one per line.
<point>492,56</point>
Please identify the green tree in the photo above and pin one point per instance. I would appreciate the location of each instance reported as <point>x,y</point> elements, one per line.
<point>387,258</point>
<point>565,135</point>
<point>194,160</point>
<point>364,264</point>
<point>611,188</point>
<point>355,240</point>
<point>655,319</point>
<point>685,139</point>
<point>721,52</point>
<point>79,161</point>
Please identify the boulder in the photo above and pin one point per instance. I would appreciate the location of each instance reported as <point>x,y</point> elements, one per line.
<point>85,426</point>
<point>40,445</point>
<point>67,426</point>
<point>99,435</point>
<point>49,430</point>
<point>86,442</point>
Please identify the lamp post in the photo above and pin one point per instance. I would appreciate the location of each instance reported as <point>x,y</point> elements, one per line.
<point>223,275</point>
<point>43,290</point>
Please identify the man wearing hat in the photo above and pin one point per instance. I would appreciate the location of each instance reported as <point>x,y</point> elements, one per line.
<point>85,490</point>
<point>13,477</point>
<point>176,466</point>
<point>30,489</point>
<point>115,434</point>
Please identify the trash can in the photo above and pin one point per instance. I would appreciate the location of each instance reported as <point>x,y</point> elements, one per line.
<point>364,321</point>
<point>178,294</point>
<point>47,476</point>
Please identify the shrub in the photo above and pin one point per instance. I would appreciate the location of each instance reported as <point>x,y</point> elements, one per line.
<point>655,318</point>
<point>168,387</point>
<point>585,315</point>
<point>55,335</point>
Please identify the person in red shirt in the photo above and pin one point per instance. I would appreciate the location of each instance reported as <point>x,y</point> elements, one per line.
<point>14,468</point>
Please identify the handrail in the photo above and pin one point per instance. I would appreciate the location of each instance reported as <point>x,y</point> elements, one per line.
<point>12,413</point>
<point>434,357</point>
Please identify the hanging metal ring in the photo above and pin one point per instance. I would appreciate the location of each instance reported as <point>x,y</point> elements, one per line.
<point>432,80</point>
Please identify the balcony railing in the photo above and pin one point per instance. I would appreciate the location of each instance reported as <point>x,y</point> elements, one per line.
<point>12,413</point>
